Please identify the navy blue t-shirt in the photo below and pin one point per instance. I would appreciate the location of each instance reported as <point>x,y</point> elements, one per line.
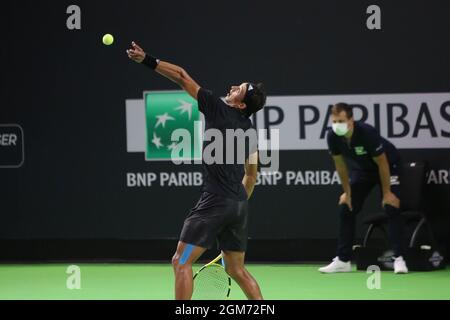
<point>365,144</point>
<point>222,178</point>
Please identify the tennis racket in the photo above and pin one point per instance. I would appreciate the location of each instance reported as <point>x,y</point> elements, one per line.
<point>211,282</point>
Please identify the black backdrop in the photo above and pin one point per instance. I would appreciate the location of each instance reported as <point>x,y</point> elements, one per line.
<point>67,91</point>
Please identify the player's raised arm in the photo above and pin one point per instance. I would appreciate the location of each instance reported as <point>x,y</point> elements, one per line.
<point>168,70</point>
<point>251,173</point>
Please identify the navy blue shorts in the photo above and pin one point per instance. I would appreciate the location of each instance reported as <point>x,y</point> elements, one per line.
<point>216,219</point>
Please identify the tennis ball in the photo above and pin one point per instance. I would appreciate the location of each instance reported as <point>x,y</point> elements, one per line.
<point>108,39</point>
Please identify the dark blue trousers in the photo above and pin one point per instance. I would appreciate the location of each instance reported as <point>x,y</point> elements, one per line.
<point>361,184</point>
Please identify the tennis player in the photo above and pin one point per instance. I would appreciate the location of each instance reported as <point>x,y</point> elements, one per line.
<point>363,159</point>
<point>221,212</point>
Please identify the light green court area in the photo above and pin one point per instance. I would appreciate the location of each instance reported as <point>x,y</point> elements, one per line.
<point>155,281</point>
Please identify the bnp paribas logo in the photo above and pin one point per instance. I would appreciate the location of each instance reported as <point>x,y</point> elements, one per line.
<point>172,119</point>
<point>165,125</point>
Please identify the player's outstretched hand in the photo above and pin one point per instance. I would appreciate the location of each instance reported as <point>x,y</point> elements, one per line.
<point>136,53</point>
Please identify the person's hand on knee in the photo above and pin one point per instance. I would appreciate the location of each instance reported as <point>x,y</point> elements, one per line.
<point>390,199</point>
<point>346,199</point>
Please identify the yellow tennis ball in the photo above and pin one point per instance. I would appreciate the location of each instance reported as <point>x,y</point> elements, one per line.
<point>108,39</point>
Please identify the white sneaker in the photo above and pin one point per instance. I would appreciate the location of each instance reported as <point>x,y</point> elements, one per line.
<point>400,265</point>
<point>337,266</point>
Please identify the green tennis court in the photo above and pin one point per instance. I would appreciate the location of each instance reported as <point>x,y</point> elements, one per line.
<point>155,281</point>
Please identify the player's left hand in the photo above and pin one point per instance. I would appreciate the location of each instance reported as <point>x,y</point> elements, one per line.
<point>390,199</point>
<point>136,53</point>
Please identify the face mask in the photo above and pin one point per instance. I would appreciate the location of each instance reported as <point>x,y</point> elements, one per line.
<point>340,129</point>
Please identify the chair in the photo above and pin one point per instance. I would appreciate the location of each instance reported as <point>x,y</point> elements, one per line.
<point>412,183</point>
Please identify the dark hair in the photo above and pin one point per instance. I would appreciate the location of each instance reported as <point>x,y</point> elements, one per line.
<point>255,99</point>
<point>341,106</point>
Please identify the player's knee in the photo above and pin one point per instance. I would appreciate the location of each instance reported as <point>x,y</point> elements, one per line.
<point>175,260</point>
<point>179,264</point>
<point>235,272</point>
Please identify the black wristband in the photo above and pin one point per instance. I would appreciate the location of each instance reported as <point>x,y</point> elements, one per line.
<point>150,61</point>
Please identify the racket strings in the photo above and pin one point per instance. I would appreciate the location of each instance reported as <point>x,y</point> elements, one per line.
<point>211,283</point>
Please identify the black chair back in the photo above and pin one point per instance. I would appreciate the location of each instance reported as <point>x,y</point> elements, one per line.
<point>412,185</point>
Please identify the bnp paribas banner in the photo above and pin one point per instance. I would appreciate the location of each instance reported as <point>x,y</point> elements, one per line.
<point>410,120</point>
